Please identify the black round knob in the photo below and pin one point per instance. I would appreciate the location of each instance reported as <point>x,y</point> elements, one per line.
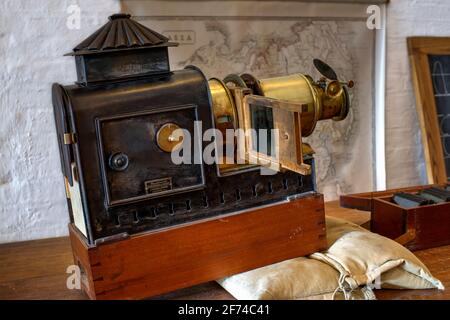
<point>118,161</point>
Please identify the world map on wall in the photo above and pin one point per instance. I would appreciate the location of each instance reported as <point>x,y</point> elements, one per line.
<point>271,48</point>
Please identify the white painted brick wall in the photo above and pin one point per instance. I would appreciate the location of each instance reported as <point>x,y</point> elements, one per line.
<point>33,39</point>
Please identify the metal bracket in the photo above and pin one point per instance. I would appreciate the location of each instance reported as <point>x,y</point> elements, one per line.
<point>113,238</point>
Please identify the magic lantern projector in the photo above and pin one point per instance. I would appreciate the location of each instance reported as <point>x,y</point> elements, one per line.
<point>116,125</point>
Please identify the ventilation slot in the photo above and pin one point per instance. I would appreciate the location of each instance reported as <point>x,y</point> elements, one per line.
<point>300,181</point>
<point>205,201</point>
<point>238,195</point>
<point>285,184</point>
<point>171,209</point>
<point>188,205</point>
<point>269,187</point>
<point>222,198</point>
<point>135,217</point>
<point>148,213</point>
<point>254,191</point>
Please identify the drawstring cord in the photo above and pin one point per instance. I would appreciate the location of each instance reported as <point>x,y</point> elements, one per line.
<point>343,287</point>
<point>347,289</point>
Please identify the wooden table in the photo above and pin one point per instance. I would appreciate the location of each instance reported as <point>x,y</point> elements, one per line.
<point>37,270</point>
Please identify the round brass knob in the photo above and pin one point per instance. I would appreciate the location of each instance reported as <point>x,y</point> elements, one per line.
<point>350,84</point>
<point>167,139</point>
<point>333,88</point>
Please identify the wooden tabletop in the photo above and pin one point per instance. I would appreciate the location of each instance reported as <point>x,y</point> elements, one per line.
<point>37,270</point>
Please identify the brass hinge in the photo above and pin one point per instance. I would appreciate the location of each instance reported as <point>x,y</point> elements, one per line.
<point>66,183</point>
<point>70,138</point>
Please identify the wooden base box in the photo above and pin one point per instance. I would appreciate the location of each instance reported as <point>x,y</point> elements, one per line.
<point>416,228</point>
<point>157,262</point>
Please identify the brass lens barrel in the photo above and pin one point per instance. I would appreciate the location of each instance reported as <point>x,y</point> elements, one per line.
<point>330,102</point>
<point>225,115</point>
<point>302,89</point>
<point>224,110</point>
<point>295,88</point>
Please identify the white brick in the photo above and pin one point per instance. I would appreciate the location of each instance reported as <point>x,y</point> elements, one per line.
<point>33,40</point>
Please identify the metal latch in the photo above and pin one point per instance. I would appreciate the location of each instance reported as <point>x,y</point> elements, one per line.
<point>70,138</point>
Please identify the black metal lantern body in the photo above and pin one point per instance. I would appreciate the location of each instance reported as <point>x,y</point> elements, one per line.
<point>118,180</point>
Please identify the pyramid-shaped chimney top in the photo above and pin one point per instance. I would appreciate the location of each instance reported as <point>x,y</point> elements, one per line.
<point>121,33</point>
<point>122,49</point>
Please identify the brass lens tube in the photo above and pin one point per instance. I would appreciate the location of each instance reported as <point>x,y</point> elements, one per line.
<point>323,102</point>
<point>301,88</point>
